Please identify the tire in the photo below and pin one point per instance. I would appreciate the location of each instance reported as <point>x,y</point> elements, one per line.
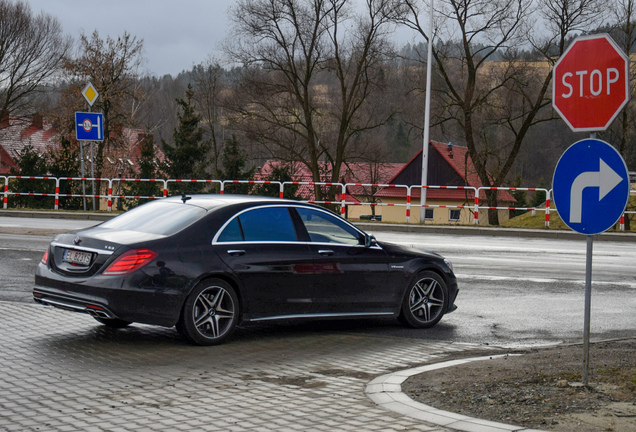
<point>210,313</point>
<point>115,323</point>
<point>425,301</point>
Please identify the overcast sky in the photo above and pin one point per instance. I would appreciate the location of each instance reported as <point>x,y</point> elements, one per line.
<point>176,34</point>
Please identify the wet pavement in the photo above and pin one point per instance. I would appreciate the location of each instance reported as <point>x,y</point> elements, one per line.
<point>61,371</point>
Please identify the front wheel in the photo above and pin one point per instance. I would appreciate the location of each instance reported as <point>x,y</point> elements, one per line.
<point>210,313</point>
<point>425,301</point>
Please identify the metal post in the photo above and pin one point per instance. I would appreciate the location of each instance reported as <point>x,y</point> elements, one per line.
<point>427,116</point>
<point>93,174</point>
<point>588,302</point>
<point>83,176</point>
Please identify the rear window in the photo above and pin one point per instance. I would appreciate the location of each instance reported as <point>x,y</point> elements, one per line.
<point>156,218</point>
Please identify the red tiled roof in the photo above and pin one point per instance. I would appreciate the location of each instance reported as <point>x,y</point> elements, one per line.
<point>355,172</point>
<point>18,134</point>
<point>458,159</point>
<point>42,136</point>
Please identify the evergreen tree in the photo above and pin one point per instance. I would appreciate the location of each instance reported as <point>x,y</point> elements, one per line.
<point>147,170</point>
<point>64,162</point>
<point>280,173</point>
<point>234,160</point>
<point>538,199</point>
<point>31,163</point>
<point>188,156</point>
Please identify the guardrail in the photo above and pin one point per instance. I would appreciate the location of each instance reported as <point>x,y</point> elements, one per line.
<point>472,194</point>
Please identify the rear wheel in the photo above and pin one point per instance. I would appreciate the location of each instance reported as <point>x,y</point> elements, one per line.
<point>425,301</point>
<point>210,313</point>
<point>115,323</point>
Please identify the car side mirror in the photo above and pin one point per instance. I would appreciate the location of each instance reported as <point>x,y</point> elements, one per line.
<point>369,241</point>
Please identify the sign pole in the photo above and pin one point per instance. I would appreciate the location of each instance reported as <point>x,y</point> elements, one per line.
<point>82,166</point>
<point>588,302</point>
<point>590,87</point>
<point>92,167</point>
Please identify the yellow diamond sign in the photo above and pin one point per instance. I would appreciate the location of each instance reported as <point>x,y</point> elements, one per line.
<point>90,94</point>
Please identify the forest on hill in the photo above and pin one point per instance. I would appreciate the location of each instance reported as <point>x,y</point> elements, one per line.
<point>318,81</point>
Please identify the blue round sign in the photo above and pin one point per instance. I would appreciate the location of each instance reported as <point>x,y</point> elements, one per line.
<point>590,186</point>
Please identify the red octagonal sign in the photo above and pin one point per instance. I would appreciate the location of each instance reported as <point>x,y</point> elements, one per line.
<point>591,83</point>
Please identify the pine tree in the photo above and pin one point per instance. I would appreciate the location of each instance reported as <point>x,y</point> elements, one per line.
<point>65,162</point>
<point>147,170</point>
<point>31,163</point>
<point>188,157</point>
<point>234,160</point>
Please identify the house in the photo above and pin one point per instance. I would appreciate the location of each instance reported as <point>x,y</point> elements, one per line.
<point>16,133</point>
<point>119,161</point>
<point>361,174</point>
<point>448,165</point>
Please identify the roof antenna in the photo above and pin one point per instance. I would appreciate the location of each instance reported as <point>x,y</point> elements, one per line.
<point>184,197</point>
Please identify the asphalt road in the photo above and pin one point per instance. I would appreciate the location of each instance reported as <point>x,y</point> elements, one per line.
<point>513,291</point>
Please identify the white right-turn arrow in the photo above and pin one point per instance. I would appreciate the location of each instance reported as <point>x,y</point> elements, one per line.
<point>606,179</point>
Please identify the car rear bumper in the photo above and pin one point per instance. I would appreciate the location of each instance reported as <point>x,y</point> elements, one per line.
<point>72,304</point>
<point>133,300</point>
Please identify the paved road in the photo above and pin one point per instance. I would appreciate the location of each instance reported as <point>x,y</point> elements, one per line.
<point>61,371</point>
<point>522,291</point>
<point>514,291</point>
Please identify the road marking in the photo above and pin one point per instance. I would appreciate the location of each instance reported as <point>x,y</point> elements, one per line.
<point>631,285</point>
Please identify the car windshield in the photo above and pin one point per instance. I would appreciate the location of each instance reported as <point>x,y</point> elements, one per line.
<point>160,218</point>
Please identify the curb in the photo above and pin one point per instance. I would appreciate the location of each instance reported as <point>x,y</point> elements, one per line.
<point>386,391</point>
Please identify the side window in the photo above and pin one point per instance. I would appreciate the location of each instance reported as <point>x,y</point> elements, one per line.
<point>325,228</point>
<point>232,232</point>
<point>260,224</point>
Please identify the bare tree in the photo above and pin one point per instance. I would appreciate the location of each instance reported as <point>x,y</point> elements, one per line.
<point>490,93</point>
<point>112,66</point>
<point>310,66</point>
<point>32,49</point>
<point>208,87</point>
<point>623,132</point>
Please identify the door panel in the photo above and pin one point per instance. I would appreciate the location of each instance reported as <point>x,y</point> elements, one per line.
<point>352,279</point>
<point>261,247</point>
<point>349,277</point>
<point>276,278</point>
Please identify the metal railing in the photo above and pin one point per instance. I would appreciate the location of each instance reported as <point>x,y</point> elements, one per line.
<point>476,195</point>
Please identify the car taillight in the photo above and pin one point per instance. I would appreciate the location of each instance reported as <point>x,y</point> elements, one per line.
<point>45,258</point>
<point>129,262</point>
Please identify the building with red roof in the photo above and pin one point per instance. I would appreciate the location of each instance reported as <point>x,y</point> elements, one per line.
<point>16,133</point>
<point>448,165</point>
<point>360,177</point>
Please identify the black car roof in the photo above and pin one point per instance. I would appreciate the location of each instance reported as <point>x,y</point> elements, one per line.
<point>211,201</point>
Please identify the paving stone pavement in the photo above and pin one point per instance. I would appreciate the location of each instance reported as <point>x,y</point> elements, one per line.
<point>61,371</point>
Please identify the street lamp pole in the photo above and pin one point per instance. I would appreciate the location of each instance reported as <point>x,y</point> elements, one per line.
<point>427,115</point>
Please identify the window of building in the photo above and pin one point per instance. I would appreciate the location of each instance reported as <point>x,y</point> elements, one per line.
<point>453,215</point>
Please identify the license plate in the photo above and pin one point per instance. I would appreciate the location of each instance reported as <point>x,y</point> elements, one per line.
<point>77,257</point>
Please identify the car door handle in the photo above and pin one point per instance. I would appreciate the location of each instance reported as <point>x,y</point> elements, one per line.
<point>236,252</point>
<point>328,252</point>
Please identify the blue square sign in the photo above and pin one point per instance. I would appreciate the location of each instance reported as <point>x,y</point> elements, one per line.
<point>89,126</point>
<point>591,186</point>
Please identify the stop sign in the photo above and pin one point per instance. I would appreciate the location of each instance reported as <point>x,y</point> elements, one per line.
<point>591,83</point>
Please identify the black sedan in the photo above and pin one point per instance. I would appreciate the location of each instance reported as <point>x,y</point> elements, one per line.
<point>208,262</point>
